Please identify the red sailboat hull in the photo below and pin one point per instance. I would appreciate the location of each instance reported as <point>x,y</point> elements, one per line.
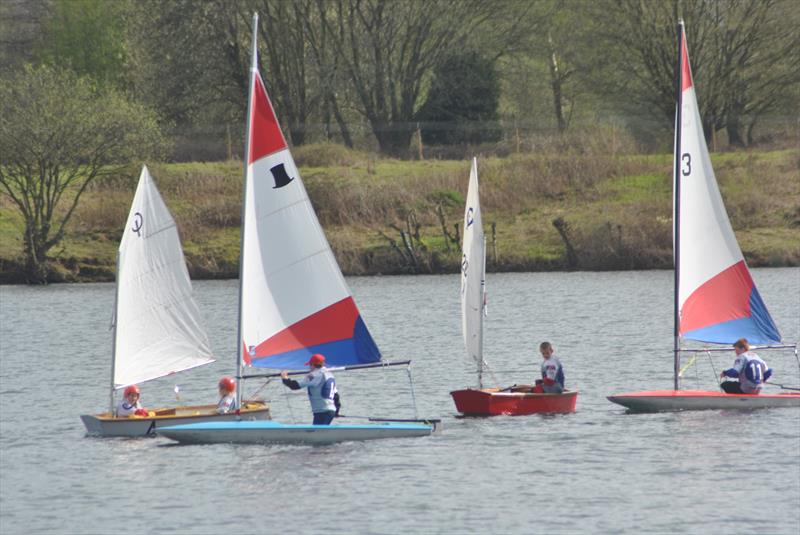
<point>682,400</point>
<point>515,402</point>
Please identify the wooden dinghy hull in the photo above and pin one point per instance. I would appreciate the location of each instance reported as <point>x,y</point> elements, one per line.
<point>693,400</point>
<point>494,401</point>
<point>107,425</point>
<point>271,432</point>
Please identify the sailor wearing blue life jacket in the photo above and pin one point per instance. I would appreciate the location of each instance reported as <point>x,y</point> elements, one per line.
<point>748,368</point>
<point>552,381</point>
<point>322,391</point>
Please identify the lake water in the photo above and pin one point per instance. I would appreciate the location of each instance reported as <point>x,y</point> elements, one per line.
<point>599,470</point>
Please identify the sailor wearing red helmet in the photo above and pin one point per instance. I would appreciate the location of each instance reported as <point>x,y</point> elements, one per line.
<point>321,389</point>
<point>227,395</point>
<point>130,406</point>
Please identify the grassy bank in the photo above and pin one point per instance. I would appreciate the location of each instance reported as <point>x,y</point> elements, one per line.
<point>388,216</point>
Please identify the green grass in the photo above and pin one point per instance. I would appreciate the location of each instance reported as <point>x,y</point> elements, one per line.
<point>618,210</point>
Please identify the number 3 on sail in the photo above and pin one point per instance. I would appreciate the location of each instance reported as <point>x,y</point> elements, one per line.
<point>715,298</point>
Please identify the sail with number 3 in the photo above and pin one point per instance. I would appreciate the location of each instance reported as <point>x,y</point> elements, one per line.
<point>718,300</point>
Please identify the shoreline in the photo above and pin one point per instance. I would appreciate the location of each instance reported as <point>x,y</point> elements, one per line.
<point>560,211</point>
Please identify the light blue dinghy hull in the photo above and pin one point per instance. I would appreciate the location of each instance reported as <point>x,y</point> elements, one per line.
<point>271,432</point>
<point>693,400</point>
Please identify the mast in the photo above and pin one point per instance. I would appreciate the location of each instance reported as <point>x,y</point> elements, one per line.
<point>114,340</point>
<point>676,217</point>
<point>482,312</point>
<point>239,341</point>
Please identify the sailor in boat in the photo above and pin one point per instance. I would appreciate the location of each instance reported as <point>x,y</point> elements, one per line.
<point>227,396</point>
<point>552,381</point>
<point>129,405</point>
<point>749,370</point>
<point>321,387</point>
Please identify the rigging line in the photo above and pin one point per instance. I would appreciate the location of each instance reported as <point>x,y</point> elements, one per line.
<point>716,377</point>
<point>780,385</point>
<point>413,397</point>
<point>797,357</point>
<point>259,389</point>
<point>486,365</point>
<point>687,365</point>
<point>289,404</point>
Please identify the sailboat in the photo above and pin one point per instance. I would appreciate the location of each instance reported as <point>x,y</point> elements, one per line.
<point>515,400</point>
<point>716,300</point>
<point>157,328</point>
<point>294,301</point>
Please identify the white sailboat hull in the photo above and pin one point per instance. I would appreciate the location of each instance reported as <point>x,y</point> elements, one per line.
<point>693,400</point>
<point>270,432</point>
<point>106,425</point>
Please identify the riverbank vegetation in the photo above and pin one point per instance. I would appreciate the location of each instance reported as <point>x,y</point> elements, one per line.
<point>569,106</point>
<point>568,209</point>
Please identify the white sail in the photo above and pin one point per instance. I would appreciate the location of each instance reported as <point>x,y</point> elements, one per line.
<point>157,323</point>
<point>473,271</point>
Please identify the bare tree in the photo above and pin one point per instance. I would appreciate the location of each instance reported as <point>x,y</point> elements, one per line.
<point>743,53</point>
<point>388,50</point>
<point>58,135</point>
<point>285,53</point>
<point>329,68</point>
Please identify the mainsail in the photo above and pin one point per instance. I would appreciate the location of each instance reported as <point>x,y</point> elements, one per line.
<point>294,299</point>
<point>717,297</point>
<point>157,321</point>
<point>473,272</point>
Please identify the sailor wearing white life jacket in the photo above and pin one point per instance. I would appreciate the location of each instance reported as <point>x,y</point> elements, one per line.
<point>750,370</point>
<point>552,381</point>
<point>227,396</point>
<point>129,405</point>
<point>322,391</point>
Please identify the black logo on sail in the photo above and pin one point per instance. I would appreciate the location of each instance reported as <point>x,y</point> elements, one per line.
<point>138,221</point>
<point>280,175</point>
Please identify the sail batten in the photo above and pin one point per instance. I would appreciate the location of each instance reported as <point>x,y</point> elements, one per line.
<point>158,327</point>
<point>717,298</point>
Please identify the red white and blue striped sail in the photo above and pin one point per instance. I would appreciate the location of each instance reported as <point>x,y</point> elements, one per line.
<point>718,299</point>
<point>295,301</point>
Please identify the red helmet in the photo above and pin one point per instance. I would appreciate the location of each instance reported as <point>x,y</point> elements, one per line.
<point>316,359</point>
<point>132,389</point>
<point>227,384</point>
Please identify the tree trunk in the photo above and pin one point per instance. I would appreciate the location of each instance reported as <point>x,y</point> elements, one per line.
<point>555,83</point>
<point>297,133</point>
<point>734,130</point>
<point>36,268</point>
<point>393,139</point>
<point>343,130</point>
